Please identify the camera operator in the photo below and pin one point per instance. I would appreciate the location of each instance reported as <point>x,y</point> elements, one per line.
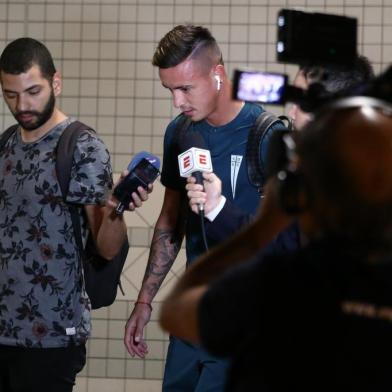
<point>318,318</point>
<point>327,80</point>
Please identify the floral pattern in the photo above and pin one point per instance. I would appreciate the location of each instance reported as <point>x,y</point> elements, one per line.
<point>42,298</point>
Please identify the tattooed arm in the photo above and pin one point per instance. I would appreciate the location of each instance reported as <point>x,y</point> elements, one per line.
<point>166,242</point>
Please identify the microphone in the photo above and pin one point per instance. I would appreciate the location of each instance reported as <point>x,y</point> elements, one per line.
<point>143,170</point>
<point>195,160</point>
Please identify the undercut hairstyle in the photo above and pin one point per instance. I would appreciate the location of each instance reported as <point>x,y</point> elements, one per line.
<point>187,41</point>
<point>21,54</point>
<point>336,78</point>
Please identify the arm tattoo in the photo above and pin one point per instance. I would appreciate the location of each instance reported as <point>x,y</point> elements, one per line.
<point>164,249</point>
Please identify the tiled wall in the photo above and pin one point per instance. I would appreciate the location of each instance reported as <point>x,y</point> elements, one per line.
<point>103,49</point>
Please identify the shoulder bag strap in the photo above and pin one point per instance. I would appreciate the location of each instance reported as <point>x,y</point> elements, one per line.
<point>64,157</point>
<point>7,134</point>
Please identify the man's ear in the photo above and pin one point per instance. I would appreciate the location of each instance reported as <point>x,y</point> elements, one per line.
<point>57,84</point>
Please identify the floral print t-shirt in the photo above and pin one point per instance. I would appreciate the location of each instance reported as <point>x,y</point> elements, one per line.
<point>42,298</point>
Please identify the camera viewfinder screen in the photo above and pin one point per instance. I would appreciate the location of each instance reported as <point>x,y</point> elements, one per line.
<point>261,87</point>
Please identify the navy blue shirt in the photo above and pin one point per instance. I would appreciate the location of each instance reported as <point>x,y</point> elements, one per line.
<point>227,145</point>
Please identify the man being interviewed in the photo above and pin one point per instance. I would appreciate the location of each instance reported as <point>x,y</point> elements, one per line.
<point>191,68</point>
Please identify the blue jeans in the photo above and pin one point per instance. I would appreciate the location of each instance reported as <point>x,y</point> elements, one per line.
<point>191,369</point>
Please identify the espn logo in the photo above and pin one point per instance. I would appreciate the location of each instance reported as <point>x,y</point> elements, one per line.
<point>194,159</point>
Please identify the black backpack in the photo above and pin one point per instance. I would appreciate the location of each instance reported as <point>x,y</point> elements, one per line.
<point>101,276</point>
<point>261,128</point>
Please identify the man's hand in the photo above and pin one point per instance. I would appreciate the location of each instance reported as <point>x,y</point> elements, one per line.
<point>210,196</point>
<point>134,330</point>
<point>138,198</point>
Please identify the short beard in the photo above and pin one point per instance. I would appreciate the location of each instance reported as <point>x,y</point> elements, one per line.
<point>41,117</point>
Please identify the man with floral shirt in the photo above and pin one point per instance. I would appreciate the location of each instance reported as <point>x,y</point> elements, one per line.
<point>44,308</point>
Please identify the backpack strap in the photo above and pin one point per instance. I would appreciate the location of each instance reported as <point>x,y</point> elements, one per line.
<point>7,134</point>
<point>64,157</point>
<point>64,153</point>
<point>258,133</point>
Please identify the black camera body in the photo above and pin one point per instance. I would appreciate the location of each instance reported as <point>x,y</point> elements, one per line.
<point>315,37</point>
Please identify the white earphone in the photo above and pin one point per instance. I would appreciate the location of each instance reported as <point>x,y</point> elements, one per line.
<point>218,82</point>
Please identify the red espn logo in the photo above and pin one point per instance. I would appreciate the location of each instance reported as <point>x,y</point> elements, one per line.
<point>203,159</point>
<point>187,161</point>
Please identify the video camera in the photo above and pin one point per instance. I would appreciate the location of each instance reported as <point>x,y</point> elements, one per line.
<point>314,39</point>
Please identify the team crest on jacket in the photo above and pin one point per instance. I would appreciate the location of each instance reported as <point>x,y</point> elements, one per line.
<point>234,170</point>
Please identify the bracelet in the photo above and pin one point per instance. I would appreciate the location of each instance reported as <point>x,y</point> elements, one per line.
<point>144,303</point>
